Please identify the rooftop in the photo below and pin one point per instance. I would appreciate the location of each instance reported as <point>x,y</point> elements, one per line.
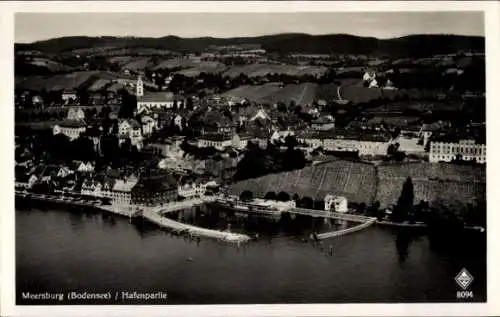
<point>216,137</point>
<point>72,124</point>
<point>159,97</point>
<point>346,135</point>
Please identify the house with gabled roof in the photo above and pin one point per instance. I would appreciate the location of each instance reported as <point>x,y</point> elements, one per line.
<point>149,124</point>
<point>76,113</point>
<point>85,167</point>
<point>64,172</point>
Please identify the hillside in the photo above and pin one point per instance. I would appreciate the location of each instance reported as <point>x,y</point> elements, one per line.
<point>414,45</point>
<point>447,182</point>
<point>363,182</point>
<point>354,180</point>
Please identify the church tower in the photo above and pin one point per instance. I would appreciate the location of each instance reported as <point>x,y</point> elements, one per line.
<point>139,87</point>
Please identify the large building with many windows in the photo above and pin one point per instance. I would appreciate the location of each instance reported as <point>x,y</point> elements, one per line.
<point>365,143</point>
<point>466,149</point>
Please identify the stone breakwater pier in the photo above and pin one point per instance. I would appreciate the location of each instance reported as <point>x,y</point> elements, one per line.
<point>364,222</point>
<point>155,217</point>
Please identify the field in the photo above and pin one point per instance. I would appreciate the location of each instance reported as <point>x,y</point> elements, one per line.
<point>63,81</point>
<point>362,182</point>
<point>327,92</point>
<point>191,67</point>
<point>301,94</point>
<point>447,182</point>
<point>98,84</point>
<point>55,82</point>
<point>120,60</point>
<point>254,93</point>
<point>354,180</point>
<point>175,63</point>
<point>53,66</point>
<point>203,67</point>
<point>136,64</point>
<point>258,70</point>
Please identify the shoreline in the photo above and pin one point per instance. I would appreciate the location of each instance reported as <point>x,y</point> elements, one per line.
<point>150,214</point>
<point>421,225</point>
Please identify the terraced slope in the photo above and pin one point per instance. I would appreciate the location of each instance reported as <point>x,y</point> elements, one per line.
<point>363,182</point>
<point>446,182</point>
<point>354,180</point>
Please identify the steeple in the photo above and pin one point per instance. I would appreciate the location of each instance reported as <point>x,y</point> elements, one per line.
<point>139,87</point>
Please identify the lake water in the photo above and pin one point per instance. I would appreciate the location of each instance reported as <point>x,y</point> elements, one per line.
<point>58,250</point>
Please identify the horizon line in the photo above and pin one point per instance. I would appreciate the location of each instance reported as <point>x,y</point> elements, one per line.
<point>246,36</point>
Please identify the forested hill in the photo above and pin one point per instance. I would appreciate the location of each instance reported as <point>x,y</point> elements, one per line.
<point>414,45</point>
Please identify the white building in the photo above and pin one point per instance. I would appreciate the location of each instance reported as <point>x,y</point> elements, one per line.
<point>364,147</point>
<point>467,150</point>
<point>336,203</point>
<point>192,190</point>
<point>91,188</point>
<point>178,121</point>
<point>72,129</point>
<point>150,100</point>
<point>68,96</point>
<point>365,144</point>
<point>130,129</point>
<point>323,123</point>
<point>85,167</point>
<point>221,141</point>
<point>280,135</point>
<point>76,114</point>
<point>149,124</point>
<point>122,190</point>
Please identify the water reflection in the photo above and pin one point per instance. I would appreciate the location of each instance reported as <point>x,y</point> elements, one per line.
<point>403,245</point>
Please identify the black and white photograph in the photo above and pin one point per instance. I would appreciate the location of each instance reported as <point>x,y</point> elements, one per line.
<point>215,158</point>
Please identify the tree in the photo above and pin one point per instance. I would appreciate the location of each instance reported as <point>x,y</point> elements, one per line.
<point>319,204</point>
<point>291,141</point>
<point>374,211</point>
<point>281,106</point>
<point>307,202</point>
<point>129,104</point>
<point>189,103</point>
<point>246,195</point>
<point>404,206</point>
<point>361,208</point>
<point>282,196</point>
<point>270,196</point>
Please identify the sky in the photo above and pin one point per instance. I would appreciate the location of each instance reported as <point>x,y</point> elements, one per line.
<point>31,27</point>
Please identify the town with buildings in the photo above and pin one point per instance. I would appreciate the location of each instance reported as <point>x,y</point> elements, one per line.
<point>225,169</point>
<point>155,129</point>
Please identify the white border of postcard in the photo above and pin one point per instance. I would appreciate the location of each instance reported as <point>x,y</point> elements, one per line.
<point>491,10</point>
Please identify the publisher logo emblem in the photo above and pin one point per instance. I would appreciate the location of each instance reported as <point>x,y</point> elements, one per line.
<point>464,279</point>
